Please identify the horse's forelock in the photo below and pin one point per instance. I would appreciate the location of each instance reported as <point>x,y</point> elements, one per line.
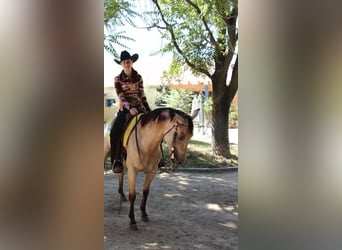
<point>185,117</point>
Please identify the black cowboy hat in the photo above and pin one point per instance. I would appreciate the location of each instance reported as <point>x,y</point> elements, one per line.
<point>125,55</point>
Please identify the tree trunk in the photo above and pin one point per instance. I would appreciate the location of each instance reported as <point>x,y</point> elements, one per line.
<point>220,143</point>
<point>222,98</point>
<point>221,104</point>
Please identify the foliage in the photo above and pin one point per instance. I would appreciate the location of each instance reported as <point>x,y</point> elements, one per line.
<point>179,99</point>
<point>163,91</point>
<point>195,30</point>
<point>115,38</point>
<point>233,117</point>
<point>174,70</point>
<point>117,13</point>
<point>233,114</point>
<point>204,36</point>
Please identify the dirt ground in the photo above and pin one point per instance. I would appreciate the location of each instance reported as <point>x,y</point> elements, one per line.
<point>186,211</point>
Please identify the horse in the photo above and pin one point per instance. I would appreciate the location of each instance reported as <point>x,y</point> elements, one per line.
<point>106,141</point>
<point>143,151</point>
<point>106,146</point>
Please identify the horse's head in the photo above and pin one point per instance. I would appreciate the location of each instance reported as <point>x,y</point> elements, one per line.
<point>179,135</point>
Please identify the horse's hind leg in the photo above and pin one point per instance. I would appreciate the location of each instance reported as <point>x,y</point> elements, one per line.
<point>146,190</point>
<point>120,190</point>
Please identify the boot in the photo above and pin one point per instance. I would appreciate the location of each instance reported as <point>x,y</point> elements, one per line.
<point>116,156</point>
<point>116,142</point>
<point>117,166</point>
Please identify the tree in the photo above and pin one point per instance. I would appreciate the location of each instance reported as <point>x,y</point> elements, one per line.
<point>179,99</point>
<point>204,35</point>
<point>116,13</point>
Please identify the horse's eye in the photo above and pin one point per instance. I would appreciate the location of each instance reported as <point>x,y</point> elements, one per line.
<point>181,137</point>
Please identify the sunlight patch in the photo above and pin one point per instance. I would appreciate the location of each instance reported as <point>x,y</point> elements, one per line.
<point>229,208</point>
<point>164,175</point>
<point>214,207</point>
<point>155,246</point>
<point>172,195</point>
<point>151,244</point>
<point>183,182</point>
<point>229,224</point>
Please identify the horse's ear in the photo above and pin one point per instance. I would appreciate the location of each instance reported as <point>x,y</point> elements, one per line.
<point>195,113</point>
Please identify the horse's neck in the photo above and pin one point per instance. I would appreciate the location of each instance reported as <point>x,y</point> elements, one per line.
<point>154,135</point>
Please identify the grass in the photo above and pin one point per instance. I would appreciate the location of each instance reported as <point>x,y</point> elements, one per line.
<point>199,156</point>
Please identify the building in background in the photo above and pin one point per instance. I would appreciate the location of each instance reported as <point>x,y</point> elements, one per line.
<point>110,104</point>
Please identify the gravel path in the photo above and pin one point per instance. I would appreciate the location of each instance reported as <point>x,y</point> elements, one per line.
<point>186,211</point>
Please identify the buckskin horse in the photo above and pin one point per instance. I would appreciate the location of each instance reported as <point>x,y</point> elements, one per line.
<point>143,151</point>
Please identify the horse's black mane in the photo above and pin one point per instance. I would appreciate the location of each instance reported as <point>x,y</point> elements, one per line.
<point>160,115</point>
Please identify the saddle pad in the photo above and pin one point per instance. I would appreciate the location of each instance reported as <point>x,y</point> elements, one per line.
<point>129,129</point>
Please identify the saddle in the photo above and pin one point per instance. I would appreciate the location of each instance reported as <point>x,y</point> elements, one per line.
<point>130,125</point>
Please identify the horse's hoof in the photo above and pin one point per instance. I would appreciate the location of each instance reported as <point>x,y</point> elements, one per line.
<point>133,227</point>
<point>145,218</point>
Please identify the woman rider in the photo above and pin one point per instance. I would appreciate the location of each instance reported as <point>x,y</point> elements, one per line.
<point>132,100</point>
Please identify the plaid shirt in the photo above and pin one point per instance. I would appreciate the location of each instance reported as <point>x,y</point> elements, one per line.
<point>130,91</point>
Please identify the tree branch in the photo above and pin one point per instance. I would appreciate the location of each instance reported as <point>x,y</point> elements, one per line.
<point>176,45</point>
<point>211,36</point>
<point>153,26</point>
<point>231,22</point>
<point>226,19</point>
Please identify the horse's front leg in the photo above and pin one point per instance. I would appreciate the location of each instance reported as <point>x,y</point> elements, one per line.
<point>132,195</point>
<point>120,190</point>
<point>146,190</point>
<point>133,223</point>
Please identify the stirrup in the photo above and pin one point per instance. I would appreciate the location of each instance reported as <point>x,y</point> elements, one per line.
<point>117,167</point>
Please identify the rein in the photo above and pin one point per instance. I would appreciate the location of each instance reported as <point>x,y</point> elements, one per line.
<point>136,139</point>
<point>173,143</point>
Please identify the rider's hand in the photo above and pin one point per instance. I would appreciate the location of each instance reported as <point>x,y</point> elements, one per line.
<point>133,111</point>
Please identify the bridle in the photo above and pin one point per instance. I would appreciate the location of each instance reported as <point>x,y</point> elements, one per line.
<point>173,143</point>
<point>174,137</point>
